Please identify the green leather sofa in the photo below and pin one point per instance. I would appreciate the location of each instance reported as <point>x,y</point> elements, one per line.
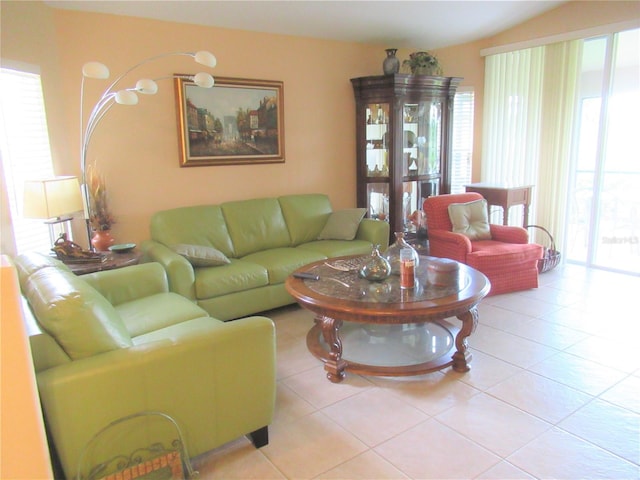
<point>116,343</point>
<point>264,240</point>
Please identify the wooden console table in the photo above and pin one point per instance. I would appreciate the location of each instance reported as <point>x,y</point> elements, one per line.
<point>505,197</point>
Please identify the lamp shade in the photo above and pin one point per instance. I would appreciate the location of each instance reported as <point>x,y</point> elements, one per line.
<point>203,80</point>
<point>51,197</point>
<point>205,58</point>
<point>95,70</point>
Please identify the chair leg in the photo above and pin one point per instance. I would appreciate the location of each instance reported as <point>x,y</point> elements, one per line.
<point>260,437</point>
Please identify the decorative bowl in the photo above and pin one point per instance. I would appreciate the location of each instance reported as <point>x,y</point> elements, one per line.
<point>122,248</point>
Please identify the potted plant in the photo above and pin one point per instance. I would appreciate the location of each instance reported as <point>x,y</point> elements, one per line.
<point>423,63</point>
<point>101,220</point>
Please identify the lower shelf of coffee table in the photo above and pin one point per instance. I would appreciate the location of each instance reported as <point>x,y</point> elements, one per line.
<point>390,349</point>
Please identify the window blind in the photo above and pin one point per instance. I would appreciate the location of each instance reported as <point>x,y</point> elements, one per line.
<point>462,140</point>
<point>26,154</point>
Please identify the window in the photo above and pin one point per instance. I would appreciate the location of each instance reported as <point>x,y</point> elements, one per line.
<point>563,117</point>
<point>25,151</point>
<point>462,140</point>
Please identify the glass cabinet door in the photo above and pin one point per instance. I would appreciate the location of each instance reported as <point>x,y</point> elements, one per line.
<point>378,201</point>
<point>377,116</point>
<point>421,157</point>
<point>377,159</point>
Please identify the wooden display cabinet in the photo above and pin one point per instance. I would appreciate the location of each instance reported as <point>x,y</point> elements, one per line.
<point>403,143</point>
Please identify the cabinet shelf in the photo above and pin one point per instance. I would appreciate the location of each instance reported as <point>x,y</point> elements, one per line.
<point>406,157</point>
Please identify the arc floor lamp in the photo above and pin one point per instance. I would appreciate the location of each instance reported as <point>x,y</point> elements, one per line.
<point>124,96</point>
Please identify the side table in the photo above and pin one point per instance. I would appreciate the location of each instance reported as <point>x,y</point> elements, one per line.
<point>113,261</point>
<point>505,197</point>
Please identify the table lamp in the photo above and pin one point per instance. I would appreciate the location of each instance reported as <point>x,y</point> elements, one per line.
<point>54,200</point>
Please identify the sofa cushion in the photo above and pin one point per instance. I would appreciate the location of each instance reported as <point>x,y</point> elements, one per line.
<point>81,320</point>
<point>200,256</point>
<point>255,225</point>
<point>199,225</point>
<point>157,311</point>
<point>200,327</point>
<point>342,224</point>
<point>281,262</point>
<point>238,276</point>
<point>470,219</point>
<point>490,255</point>
<point>305,215</point>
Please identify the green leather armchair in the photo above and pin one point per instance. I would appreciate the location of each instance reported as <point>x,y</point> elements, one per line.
<point>116,343</point>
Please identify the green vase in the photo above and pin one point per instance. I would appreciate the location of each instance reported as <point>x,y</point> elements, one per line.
<point>376,268</point>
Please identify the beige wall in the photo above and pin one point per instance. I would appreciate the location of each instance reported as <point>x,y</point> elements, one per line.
<point>137,147</point>
<point>23,445</point>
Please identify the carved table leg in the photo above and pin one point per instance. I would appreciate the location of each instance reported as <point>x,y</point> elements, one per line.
<point>335,365</point>
<point>462,357</point>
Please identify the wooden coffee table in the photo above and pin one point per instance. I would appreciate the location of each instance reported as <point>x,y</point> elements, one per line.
<point>341,296</point>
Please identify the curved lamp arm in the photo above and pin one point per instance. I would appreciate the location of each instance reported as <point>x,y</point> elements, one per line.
<point>127,96</point>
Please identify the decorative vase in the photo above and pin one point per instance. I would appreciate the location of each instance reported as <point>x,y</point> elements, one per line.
<point>392,254</point>
<point>376,268</point>
<point>102,240</point>
<point>391,64</point>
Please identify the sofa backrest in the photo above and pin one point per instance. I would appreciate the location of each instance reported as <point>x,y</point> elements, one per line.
<point>242,227</point>
<point>306,215</point>
<point>198,225</point>
<point>71,311</point>
<point>255,225</point>
<point>30,262</point>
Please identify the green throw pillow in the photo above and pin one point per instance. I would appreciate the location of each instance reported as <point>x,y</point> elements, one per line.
<point>342,224</point>
<point>200,256</point>
<point>470,219</point>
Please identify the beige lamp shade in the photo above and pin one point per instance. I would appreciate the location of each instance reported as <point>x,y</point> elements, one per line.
<point>51,197</point>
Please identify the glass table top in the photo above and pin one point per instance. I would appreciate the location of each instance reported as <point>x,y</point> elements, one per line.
<point>347,285</point>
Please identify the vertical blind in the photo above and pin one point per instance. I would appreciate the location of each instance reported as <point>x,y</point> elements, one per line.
<point>25,152</point>
<point>462,140</point>
<point>528,109</point>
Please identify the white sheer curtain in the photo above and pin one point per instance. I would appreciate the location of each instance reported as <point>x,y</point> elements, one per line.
<point>528,118</point>
<point>562,62</point>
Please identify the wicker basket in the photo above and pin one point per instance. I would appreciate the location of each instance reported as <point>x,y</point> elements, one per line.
<point>551,257</point>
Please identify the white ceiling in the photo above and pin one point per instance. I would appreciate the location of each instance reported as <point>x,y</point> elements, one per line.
<point>401,24</point>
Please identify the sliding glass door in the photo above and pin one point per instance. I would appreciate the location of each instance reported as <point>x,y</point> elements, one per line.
<point>603,225</point>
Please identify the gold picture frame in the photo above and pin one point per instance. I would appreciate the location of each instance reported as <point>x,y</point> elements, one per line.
<point>237,121</point>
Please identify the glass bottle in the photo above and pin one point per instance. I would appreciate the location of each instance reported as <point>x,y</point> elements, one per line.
<point>392,254</point>
<point>376,268</point>
<point>407,268</point>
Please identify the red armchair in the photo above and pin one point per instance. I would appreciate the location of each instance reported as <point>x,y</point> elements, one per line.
<point>508,260</point>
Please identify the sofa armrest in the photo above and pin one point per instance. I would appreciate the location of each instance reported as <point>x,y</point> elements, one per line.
<point>129,283</point>
<point>443,243</point>
<point>374,231</point>
<point>215,379</point>
<point>180,273</point>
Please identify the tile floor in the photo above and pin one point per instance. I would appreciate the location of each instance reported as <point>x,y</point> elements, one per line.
<point>553,392</point>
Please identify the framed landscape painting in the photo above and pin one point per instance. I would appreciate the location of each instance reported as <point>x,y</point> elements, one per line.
<point>237,121</point>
